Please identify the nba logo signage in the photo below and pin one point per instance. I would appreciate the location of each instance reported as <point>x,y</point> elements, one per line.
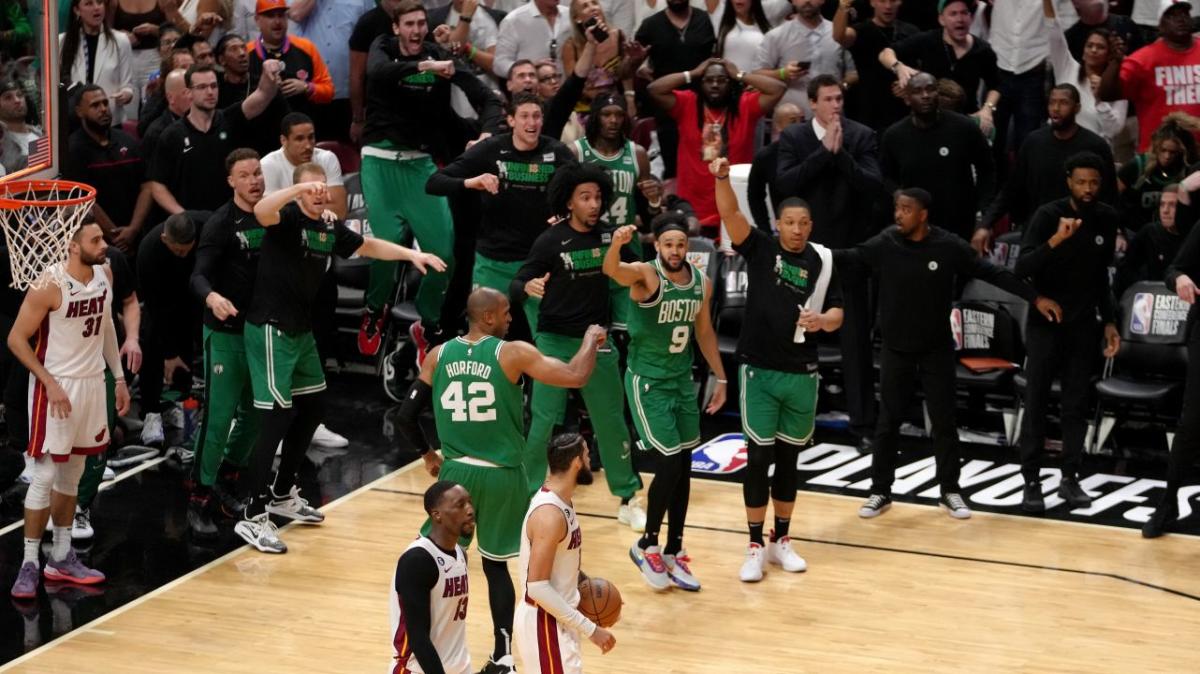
<point>723,455</point>
<point>956,328</point>
<point>1142,314</point>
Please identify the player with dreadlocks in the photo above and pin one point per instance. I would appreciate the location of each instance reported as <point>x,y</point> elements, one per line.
<point>565,271</point>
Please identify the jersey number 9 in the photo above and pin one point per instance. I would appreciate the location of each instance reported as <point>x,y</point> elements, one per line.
<point>679,338</point>
<point>475,406</point>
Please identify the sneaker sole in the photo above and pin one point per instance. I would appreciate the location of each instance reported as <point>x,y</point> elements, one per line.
<point>869,514</point>
<point>1033,510</point>
<point>77,535</point>
<point>956,514</point>
<point>684,586</point>
<point>331,445</point>
<point>253,542</point>
<point>646,578</point>
<point>22,595</point>
<point>802,569</point>
<point>61,578</point>
<point>293,517</point>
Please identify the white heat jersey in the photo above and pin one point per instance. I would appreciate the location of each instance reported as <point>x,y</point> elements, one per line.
<point>564,575</point>
<point>70,341</point>
<point>447,614</point>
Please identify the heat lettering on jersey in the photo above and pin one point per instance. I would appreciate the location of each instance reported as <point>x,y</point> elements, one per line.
<point>673,311</point>
<point>576,539</point>
<point>88,307</point>
<point>455,587</point>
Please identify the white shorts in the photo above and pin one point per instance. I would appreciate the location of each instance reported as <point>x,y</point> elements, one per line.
<point>84,431</point>
<point>544,646</point>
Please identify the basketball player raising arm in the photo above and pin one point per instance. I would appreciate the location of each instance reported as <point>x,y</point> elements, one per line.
<point>548,622</point>
<point>429,591</point>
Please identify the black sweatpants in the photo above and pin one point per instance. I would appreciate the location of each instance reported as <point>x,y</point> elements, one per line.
<point>858,365</point>
<point>1068,351</point>
<point>898,377</point>
<point>1187,437</point>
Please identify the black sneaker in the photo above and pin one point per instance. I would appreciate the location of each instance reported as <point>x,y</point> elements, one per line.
<point>1162,521</point>
<point>875,505</point>
<point>1070,491</point>
<point>229,505</point>
<point>199,518</point>
<point>505,666</point>
<point>1033,501</point>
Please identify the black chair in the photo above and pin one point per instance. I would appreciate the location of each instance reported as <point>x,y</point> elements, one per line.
<point>1147,373</point>
<point>731,306</point>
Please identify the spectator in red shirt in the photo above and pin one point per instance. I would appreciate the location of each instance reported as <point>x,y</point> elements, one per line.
<point>717,117</point>
<point>1161,78</point>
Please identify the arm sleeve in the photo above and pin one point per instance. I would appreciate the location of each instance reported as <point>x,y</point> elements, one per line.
<point>1001,277</point>
<point>449,180</point>
<point>112,350</point>
<point>322,83</point>
<point>415,403</point>
<point>549,598</point>
<point>485,103</point>
<point>985,169</point>
<point>380,64</point>
<point>416,574</point>
<point>560,107</point>
<point>756,188</point>
<point>208,253</point>
<point>1036,253</point>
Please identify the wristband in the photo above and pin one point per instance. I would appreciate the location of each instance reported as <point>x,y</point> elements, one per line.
<point>722,381</point>
<point>471,52</point>
<point>723,177</point>
<point>630,94</point>
<point>783,74</point>
<point>687,77</point>
<point>465,19</point>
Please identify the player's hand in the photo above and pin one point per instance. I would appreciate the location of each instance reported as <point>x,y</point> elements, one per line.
<point>1121,244</point>
<point>1049,309</point>
<point>487,182</point>
<point>123,238</point>
<point>170,367</point>
<point>122,398</point>
<point>651,189</point>
<point>981,240</point>
<point>589,32</point>
<point>717,401</point>
<point>293,87</point>
<point>329,217</point>
<point>719,167</point>
<point>537,288</point>
<point>1066,229</point>
<point>623,235</point>
<point>123,97</point>
<point>482,137</point>
<point>433,462</point>
<point>810,320</point>
<point>131,351</point>
<point>441,34</point>
<point>596,333</point>
<point>57,401</point>
<point>1112,340</point>
<point>793,71</point>
<point>315,188</point>
<point>904,74</point>
<point>221,307</point>
<point>1185,287</point>
<point>604,639</point>
<point>206,22</point>
<point>985,120</point>
<point>425,261</point>
<point>444,69</point>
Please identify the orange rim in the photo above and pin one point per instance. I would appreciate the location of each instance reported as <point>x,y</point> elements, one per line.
<point>9,190</point>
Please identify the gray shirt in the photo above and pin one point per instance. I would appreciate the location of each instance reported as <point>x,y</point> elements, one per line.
<point>794,41</point>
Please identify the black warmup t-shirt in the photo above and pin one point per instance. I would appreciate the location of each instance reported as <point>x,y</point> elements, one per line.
<point>295,256</point>
<point>875,104</point>
<point>369,26</point>
<point>227,263</point>
<point>779,282</point>
<point>577,293</point>
<point>191,163</point>
<point>116,170</point>
<point>929,53</point>
<point>513,218</point>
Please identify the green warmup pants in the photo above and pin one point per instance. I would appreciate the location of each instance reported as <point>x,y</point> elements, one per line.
<point>605,400</point>
<point>93,467</point>
<point>228,396</point>
<point>499,275</point>
<point>394,190</point>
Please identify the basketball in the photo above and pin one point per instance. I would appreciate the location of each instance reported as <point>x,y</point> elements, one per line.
<point>600,601</point>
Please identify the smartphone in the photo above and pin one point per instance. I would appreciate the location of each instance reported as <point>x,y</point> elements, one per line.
<point>804,65</point>
<point>600,33</point>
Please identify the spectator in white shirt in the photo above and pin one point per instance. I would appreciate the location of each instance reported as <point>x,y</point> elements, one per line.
<point>533,31</point>
<point>740,26</point>
<point>1018,35</point>
<point>1102,117</point>
<point>799,50</point>
<point>298,142</point>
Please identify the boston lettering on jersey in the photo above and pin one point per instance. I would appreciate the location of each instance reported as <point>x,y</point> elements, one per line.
<point>790,274</point>
<point>455,587</point>
<point>88,307</point>
<point>674,311</point>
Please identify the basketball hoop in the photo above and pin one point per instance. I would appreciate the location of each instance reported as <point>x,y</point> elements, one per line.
<point>39,218</point>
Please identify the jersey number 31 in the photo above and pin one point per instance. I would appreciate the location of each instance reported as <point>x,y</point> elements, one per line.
<point>477,405</point>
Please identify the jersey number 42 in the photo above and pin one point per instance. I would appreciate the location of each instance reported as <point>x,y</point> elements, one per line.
<point>476,405</point>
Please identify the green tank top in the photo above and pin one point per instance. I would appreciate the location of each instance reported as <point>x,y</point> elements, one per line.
<point>661,329</point>
<point>623,170</point>
<point>479,412</point>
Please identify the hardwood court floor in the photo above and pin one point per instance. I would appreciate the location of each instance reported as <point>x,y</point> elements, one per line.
<point>912,590</point>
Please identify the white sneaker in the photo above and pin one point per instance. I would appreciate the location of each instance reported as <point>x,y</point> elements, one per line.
<point>279,449</point>
<point>173,416</point>
<point>109,474</point>
<point>681,574</point>
<point>152,429</point>
<point>752,566</point>
<point>633,514</point>
<point>261,532</point>
<point>82,528</point>
<point>652,566</point>
<point>295,508</point>
<point>324,437</point>
<point>780,552</point>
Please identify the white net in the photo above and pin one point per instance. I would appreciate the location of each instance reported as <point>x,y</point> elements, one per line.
<point>39,218</point>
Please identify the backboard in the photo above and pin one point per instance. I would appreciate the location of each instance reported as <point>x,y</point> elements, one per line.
<point>35,69</point>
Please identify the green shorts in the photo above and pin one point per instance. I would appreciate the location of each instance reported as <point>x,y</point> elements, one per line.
<point>500,498</point>
<point>665,412</point>
<point>498,275</point>
<point>281,365</point>
<point>777,405</point>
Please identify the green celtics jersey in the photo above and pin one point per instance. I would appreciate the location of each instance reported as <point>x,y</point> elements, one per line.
<point>661,329</point>
<point>479,412</point>
<point>623,169</point>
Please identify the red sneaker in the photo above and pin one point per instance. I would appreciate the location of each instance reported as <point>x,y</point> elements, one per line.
<point>370,333</point>
<point>416,333</point>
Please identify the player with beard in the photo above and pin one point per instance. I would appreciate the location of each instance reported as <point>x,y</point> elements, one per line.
<point>671,303</point>
<point>223,279</point>
<point>68,419</point>
<point>430,588</point>
<point>476,380</point>
<point>564,271</point>
<point>510,172</point>
<point>548,622</point>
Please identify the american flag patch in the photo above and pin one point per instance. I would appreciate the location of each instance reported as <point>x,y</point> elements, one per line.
<point>39,151</point>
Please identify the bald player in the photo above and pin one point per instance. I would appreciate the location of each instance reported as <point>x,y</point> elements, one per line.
<point>480,421</point>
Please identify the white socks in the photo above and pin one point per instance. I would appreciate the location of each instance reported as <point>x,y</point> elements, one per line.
<point>62,543</point>
<point>31,550</point>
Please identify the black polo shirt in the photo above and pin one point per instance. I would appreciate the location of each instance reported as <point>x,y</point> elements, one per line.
<point>671,52</point>
<point>191,163</point>
<point>116,170</point>
<point>929,53</point>
<point>370,26</point>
